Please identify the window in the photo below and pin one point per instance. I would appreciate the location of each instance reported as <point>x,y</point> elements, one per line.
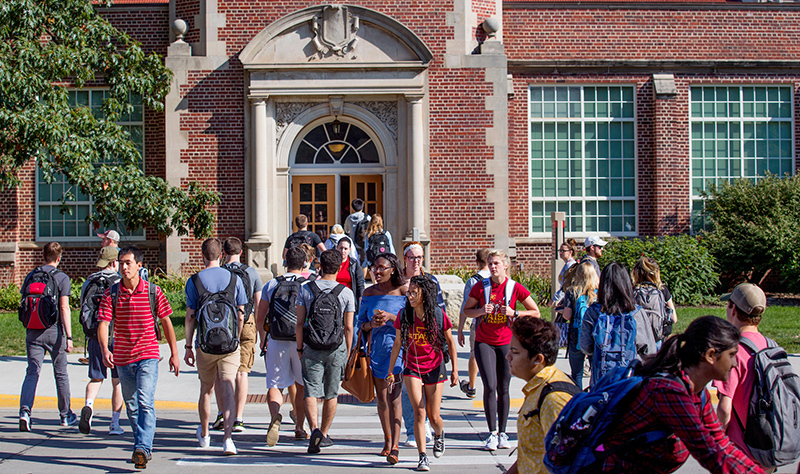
<point>337,142</point>
<point>583,158</point>
<point>71,225</point>
<point>738,132</point>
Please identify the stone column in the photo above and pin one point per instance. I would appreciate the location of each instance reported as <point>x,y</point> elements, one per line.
<point>416,176</point>
<point>262,168</point>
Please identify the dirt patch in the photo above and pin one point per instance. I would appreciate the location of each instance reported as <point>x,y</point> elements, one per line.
<point>783,299</point>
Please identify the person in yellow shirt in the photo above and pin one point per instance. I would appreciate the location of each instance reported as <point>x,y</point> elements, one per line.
<point>532,355</point>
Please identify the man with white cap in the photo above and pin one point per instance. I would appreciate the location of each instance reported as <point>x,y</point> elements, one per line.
<point>110,238</point>
<point>594,249</point>
<point>746,305</point>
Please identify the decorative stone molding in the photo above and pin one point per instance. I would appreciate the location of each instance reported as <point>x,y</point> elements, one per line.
<point>386,112</point>
<point>286,112</point>
<point>335,31</point>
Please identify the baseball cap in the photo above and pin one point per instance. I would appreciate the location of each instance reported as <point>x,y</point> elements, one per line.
<point>594,240</point>
<point>111,234</point>
<point>107,255</point>
<point>748,297</point>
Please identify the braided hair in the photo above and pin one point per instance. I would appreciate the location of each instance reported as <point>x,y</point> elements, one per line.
<point>433,334</point>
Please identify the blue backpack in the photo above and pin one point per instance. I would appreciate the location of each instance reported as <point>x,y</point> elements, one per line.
<point>577,319</point>
<point>614,338</point>
<point>574,443</point>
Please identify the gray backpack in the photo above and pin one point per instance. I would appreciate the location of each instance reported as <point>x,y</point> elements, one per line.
<point>773,415</point>
<point>651,299</point>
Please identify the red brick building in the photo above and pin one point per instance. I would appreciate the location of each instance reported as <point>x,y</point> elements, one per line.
<point>469,131</point>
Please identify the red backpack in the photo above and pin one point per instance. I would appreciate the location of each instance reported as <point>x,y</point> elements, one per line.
<point>39,306</point>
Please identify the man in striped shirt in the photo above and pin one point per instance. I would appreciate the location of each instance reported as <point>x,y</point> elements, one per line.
<point>136,347</point>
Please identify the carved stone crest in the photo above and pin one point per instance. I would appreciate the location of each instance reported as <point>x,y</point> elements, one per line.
<point>335,30</point>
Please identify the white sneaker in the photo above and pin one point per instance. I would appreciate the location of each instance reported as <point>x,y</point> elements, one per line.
<point>228,448</point>
<point>411,442</point>
<point>491,442</point>
<point>115,429</point>
<point>203,441</point>
<point>428,432</point>
<point>502,441</point>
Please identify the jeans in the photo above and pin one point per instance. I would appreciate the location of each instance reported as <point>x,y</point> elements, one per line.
<point>37,342</point>
<point>138,381</point>
<point>576,358</point>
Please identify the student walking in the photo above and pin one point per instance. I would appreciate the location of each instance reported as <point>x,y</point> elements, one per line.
<point>493,303</point>
<point>580,295</point>
<point>567,254</point>
<point>377,240</point>
<point>423,333</point>
<point>337,232</point>
<point>654,297</point>
<point>674,400</point>
<point>350,273</point>
<point>380,306</point>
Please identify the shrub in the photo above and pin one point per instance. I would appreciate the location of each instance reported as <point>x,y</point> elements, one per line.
<point>173,285</point>
<point>754,227</point>
<point>687,266</point>
<point>9,298</point>
<point>75,297</point>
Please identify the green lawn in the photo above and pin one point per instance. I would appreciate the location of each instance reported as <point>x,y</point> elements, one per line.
<point>12,334</point>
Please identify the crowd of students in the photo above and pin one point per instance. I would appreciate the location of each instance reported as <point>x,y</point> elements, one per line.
<point>307,321</point>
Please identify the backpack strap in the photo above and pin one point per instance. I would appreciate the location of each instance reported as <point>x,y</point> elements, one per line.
<point>566,387</point>
<point>314,288</point>
<point>487,290</point>
<point>337,290</point>
<point>152,296</point>
<point>510,286</point>
<point>750,345</point>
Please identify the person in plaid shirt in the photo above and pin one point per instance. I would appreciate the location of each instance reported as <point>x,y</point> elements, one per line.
<point>678,402</point>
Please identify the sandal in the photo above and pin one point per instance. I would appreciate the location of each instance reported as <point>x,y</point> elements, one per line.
<point>386,447</point>
<point>300,435</point>
<point>392,457</point>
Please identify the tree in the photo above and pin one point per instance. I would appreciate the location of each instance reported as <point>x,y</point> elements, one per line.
<point>47,45</point>
<point>755,227</point>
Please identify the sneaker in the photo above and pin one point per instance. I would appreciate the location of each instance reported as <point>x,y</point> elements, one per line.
<point>140,458</point>
<point>25,422</point>
<point>203,441</point>
<point>228,448</point>
<point>69,420</point>
<point>491,442</point>
<point>115,429</point>
<point>438,445</point>
<point>219,423</point>
<point>411,441</point>
<point>314,442</point>
<point>502,441</point>
<point>238,426</point>
<point>85,424</point>
<point>273,430</point>
<point>469,392</point>
<point>423,464</point>
<point>428,432</point>
<point>326,442</point>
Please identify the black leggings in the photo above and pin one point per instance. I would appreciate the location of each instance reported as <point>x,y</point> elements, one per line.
<point>496,377</point>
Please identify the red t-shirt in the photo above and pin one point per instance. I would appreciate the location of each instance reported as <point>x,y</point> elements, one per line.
<point>134,330</point>
<point>493,328</point>
<point>343,276</point>
<point>421,356</point>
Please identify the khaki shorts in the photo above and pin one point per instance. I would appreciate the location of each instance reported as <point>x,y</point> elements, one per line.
<point>210,365</point>
<point>247,345</point>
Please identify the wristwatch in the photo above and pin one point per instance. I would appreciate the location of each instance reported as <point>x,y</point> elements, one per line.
<point>188,347</point>
<point>516,313</point>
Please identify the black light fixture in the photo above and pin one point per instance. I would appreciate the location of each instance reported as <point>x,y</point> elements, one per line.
<point>336,128</point>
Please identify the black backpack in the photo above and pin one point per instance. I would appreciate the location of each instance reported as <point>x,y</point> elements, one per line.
<point>96,285</point>
<point>282,316</point>
<point>39,306</point>
<point>378,244</point>
<point>324,329</point>
<point>217,325</point>
<point>300,237</point>
<point>240,270</point>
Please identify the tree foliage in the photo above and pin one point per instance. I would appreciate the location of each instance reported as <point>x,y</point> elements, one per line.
<point>47,45</point>
<point>756,227</point>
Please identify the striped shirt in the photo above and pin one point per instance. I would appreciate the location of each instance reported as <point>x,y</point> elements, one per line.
<point>134,331</point>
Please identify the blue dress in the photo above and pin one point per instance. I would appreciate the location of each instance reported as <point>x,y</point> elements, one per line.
<point>383,336</point>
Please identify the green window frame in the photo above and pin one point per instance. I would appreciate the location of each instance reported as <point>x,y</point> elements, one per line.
<point>51,223</point>
<point>737,132</point>
<point>582,150</point>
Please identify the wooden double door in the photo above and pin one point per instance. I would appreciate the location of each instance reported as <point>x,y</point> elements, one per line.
<point>325,199</point>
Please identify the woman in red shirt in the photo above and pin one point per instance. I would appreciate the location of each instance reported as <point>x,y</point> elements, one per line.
<point>492,340</point>
<point>350,274</point>
<point>423,340</point>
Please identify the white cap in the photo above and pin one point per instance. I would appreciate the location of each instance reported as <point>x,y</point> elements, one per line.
<point>111,234</point>
<point>594,240</point>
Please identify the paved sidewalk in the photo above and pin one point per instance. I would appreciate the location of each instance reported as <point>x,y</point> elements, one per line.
<point>356,431</point>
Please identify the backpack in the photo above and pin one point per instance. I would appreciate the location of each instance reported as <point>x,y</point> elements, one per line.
<point>152,296</point>
<point>96,285</point>
<point>378,244</point>
<point>324,329</point>
<point>300,237</point>
<point>360,232</point>
<point>217,326</point>
<point>614,338</point>
<point>566,387</point>
<point>773,415</point>
<point>438,314</point>
<point>652,302</point>
<point>577,319</point>
<point>282,316</point>
<point>38,308</point>
<point>574,443</point>
<point>241,271</point>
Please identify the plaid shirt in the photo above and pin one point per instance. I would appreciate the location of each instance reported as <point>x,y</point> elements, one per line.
<point>666,404</point>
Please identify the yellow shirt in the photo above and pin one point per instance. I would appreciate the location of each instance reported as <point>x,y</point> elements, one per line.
<point>532,430</point>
